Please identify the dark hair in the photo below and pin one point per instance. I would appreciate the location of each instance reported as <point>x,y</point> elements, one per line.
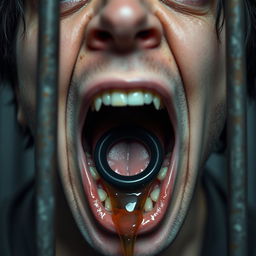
<point>251,46</point>
<point>11,11</point>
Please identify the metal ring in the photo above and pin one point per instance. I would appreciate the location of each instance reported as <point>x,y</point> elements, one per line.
<point>128,132</point>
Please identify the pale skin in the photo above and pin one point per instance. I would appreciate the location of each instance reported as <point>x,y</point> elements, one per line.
<point>182,53</point>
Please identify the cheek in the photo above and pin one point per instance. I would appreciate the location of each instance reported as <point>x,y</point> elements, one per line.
<point>204,79</point>
<point>198,54</point>
<point>72,30</point>
<point>200,59</point>
<point>203,73</point>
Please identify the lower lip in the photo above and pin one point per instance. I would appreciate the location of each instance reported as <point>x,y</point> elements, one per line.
<point>150,219</point>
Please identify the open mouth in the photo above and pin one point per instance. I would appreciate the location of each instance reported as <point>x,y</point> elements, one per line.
<point>141,107</point>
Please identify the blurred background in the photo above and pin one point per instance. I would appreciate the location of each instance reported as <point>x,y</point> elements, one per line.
<point>17,162</point>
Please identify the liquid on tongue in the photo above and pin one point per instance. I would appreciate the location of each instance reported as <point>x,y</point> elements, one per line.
<point>127,214</point>
<point>128,157</point>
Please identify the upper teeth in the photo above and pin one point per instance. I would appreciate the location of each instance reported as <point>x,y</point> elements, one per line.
<point>122,98</point>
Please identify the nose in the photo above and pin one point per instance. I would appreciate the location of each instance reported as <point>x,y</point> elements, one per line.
<point>124,25</point>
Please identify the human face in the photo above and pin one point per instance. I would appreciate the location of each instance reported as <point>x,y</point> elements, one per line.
<point>167,48</point>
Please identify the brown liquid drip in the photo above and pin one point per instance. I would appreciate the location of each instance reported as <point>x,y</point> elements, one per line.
<point>127,214</point>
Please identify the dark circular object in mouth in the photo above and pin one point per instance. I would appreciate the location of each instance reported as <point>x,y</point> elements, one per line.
<point>122,181</point>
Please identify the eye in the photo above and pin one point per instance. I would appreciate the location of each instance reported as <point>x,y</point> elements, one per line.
<point>70,1</point>
<point>69,6</point>
<point>192,2</point>
<point>197,7</point>
<point>189,2</point>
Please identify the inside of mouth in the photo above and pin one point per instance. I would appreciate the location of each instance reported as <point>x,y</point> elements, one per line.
<point>156,121</point>
<point>127,157</point>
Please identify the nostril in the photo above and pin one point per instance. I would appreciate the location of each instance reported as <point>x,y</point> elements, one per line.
<point>144,35</point>
<point>148,38</point>
<point>102,35</point>
<point>99,39</point>
<point>122,32</point>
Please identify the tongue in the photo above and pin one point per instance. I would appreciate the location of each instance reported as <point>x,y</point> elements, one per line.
<point>128,157</point>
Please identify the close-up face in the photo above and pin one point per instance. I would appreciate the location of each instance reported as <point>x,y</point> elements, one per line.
<point>154,64</point>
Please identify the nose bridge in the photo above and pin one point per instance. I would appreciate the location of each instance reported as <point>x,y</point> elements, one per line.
<point>123,16</point>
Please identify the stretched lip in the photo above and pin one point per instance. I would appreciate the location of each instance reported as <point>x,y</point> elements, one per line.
<point>103,217</point>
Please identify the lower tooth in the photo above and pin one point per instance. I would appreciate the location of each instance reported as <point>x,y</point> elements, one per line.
<point>148,205</point>
<point>161,175</point>
<point>94,173</point>
<point>154,195</point>
<point>102,194</point>
<point>108,205</point>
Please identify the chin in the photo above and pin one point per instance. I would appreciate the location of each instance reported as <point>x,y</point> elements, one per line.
<point>155,104</point>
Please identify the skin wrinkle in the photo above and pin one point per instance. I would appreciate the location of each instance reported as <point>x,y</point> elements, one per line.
<point>188,62</point>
